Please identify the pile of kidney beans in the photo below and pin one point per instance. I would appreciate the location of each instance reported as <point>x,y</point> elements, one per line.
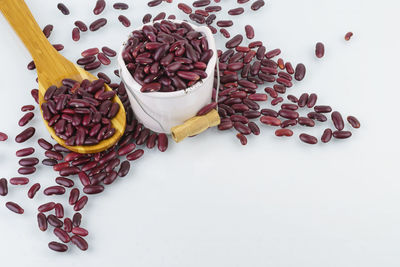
<point>244,69</point>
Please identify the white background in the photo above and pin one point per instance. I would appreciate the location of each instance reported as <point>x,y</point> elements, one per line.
<point>210,201</point>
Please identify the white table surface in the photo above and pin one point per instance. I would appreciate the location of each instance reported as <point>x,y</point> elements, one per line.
<point>210,201</point>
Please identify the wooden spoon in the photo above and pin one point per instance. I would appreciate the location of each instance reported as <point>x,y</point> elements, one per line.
<point>52,68</point>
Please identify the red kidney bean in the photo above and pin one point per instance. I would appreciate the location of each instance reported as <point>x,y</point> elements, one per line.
<point>160,16</point>
<point>64,182</point>
<point>242,138</point>
<point>283,132</point>
<point>53,155</point>
<point>59,247</point>
<point>81,25</point>
<point>33,190</point>
<point>288,114</point>
<point>341,134</point>
<point>201,3</point>
<point>254,128</point>
<point>44,144</point>
<point>73,196</point>
<point>162,142</point>
<point>135,155</point>
<point>60,166</point>
<point>68,225</point>
<point>110,178</point>
<point>154,3</point>
<point>271,92</point>
<point>26,170</point>
<point>197,18</point>
<point>76,219</point>
<point>90,52</point>
<point>319,50</point>
<point>236,11</point>
<point>240,127</point>
<point>97,24</point>
<point>54,221</point>
<point>354,122</point>
<point>47,30</point>
<point>322,109</point>
<point>272,53</point>
<point>185,8</point>
<point>124,169</point>
<point>124,20</point>
<point>270,120</point>
<point>58,47</point>
<point>84,178</point>
<point>317,116</point>
<point>337,120</point>
<point>25,162</point>
<point>300,72</point>
<point>225,33</point>
<point>126,149</point>
<point>54,190</point>
<point>257,5</point>
<point>151,141</point>
<point>289,68</point>
<point>269,112</point>
<point>235,41</point>
<point>146,18</point>
<point>63,9</point>
<point>276,101</point>
<point>103,59</point>
<point>14,207</point>
<point>76,34</point>
<point>306,121</point>
<point>59,210</point>
<point>42,221</point>
<point>108,51</point>
<point>27,108</point>
<point>31,65</point>
<point>62,235</point>
<point>100,5</point>
<point>312,100</point>
<point>35,95</point>
<point>79,241</point>
<point>284,82</point>
<point>261,52</point>
<point>3,136</point>
<point>81,203</point>
<point>288,123</point>
<point>242,1</point>
<point>93,189</point>
<point>326,136</point>
<point>213,8</point>
<point>25,152</point>
<point>281,64</point>
<point>281,89</point>
<point>86,60</point>
<point>289,106</point>
<point>92,66</point>
<point>206,109</point>
<point>80,231</point>
<point>3,187</point>
<point>303,100</point>
<point>258,97</point>
<point>309,139</point>
<point>225,125</point>
<point>348,36</point>
<point>25,135</point>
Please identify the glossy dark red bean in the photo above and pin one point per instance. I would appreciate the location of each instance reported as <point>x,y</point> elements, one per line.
<point>68,225</point>
<point>90,52</point>
<point>25,152</point>
<point>303,100</point>
<point>185,8</point>
<point>124,169</point>
<point>236,11</point>
<point>53,155</point>
<point>322,109</point>
<point>269,112</point>
<point>312,100</point>
<point>25,135</point>
<point>270,120</point>
<point>201,3</point>
<point>283,132</point>
<point>235,41</point>
<point>289,68</point>
<point>74,196</point>
<point>135,155</point>
<point>26,118</point>
<point>224,23</point>
<point>288,114</point>
<point>93,189</point>
<point>121,6</point>
<point>59,210</point>
<point>348,36</point>
<point>319,50</point>
<point>249,31</point>
<point>26,170</point>
<point>97,24</point>
<point>76,34</point>
<point>103,59</point>
<point>31,65</point>
<point>272,53</point>
<point>81,25</point>
<point>341,134</point>
<point>154,3</point>
<point>3,187</point>
<point>257,5</point>
<point>81,203</point>
<point>337,120</point>
<point>92,66</point>
<point>271,92</point>
<point>54,190</point>
<point>289,106</point>
<point>317,116</point>
<point>76,219</point>
<point>146,18</point>
<point>240,127</point>
<point>47,30</point>
<point>309,139</point>
<point>306,121</point>
<point>354,122</point>
<point>258,97</point>
<point>206,109</point>
<point>276,101</point>
<point>44,144</point>
<point>326,136</point>
<point>42,221</point>
<point>213,8</point>
<point>242,1</point>
<point>254,128</point>
<point>160,16</point>
<point>35,95</point>
<point>124,20</point>
<point>54,221</point>
<point>65,182</point>
<point>108,51</point>
<point>27,108</point>
<point>225,33</point>
<point>80,231</point>
<point>99,7</point>
<point>287,123</point>
<point>59,247</point>
<point>28,161</point>
<point>33,190</point>
<point>63,9</point>
<point>79,241</point>
<point>62,235</point>
<point>242,138</point>
<point>300,72</point>
<point>69,171</point>
<point>14,207</point>
<point>46,207</point>
<point>162,142</point>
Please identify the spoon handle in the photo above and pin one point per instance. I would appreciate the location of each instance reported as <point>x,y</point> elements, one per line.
<point>24,24</point>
